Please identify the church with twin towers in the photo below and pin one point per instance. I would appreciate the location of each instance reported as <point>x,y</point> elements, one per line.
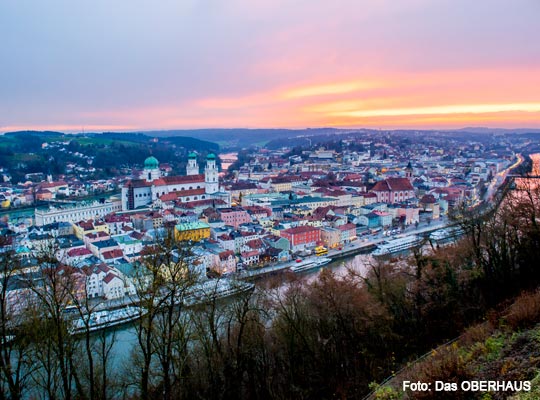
<point>152,185</point>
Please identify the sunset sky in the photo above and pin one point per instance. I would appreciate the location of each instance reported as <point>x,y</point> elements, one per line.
<point>133,65</point>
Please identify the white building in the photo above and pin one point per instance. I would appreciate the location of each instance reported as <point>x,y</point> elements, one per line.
<point>151,185</point>
<point>70,213</point>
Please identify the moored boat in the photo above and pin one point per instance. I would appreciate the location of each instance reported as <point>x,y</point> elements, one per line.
<point>216,289</point>
<point>397,245</point>
<point>446,234</point>
<point>105,319</point>
<point>309,264</point>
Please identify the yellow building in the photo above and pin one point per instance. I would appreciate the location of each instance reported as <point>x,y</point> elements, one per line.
<point>82,228</point>
<point>194,231</point>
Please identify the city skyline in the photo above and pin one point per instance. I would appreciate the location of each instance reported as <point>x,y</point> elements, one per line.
<point>279,64</point>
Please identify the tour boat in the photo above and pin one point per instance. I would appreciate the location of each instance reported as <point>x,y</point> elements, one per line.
<point>397,245</point>
<point>216,289</point>
<point>310,263</point>
<point>105,319</point>
<point>446,234</point>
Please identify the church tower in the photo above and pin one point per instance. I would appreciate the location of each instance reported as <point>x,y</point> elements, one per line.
<point>151,169</point>
<point>192,167</point>
<point>211,175</point>
<point>409,171</point>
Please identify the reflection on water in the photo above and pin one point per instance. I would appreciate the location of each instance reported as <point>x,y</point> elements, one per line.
<point>530,183</point>
<point>359,265</point>
<point>126,338</point>
<point>227,159</point>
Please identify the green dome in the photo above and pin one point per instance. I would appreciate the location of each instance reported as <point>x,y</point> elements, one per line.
<point>192,155</point>
<point>211,156</point>
<point>151,162</point>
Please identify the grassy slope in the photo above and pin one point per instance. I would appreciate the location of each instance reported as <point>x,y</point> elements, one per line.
<point>506,347</point>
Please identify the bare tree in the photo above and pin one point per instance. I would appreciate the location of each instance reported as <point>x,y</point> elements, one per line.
<point>53,286</point>
<point>96,346</point>
<point>163,281</point>
<point>15,356</point>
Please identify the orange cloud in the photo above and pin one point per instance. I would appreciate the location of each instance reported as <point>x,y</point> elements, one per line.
<point>442,110</point>
<point>500,97</point>
<point>329,89</point>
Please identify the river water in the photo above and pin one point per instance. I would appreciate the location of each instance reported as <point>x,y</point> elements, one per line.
<point>125,337</point>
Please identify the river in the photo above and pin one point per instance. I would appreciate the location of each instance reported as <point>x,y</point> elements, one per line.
<point>125,336</point>
<point>227,159</point>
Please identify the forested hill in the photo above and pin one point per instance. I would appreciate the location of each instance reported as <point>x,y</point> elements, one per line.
<point>240,137</point>
<point>49,152</point>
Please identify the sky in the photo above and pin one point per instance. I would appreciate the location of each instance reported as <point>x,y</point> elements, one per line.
<point>175,64</point>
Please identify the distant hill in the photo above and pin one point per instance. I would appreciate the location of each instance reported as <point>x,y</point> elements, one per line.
<point>241,137</point>
<point>34,133</point>
<point>481,129</point>
<point>25,152</point>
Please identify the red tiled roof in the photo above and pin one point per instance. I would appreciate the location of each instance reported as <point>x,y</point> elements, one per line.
<point>96,235</point>
<point>208,202</point>
<point>392,184</point>
<point>249,254</point>
<point>300,229</point>
<point>79,252</point>
<point>110,276</point>
<point>116,253</point>
<point>226,254</point>
<point>428,199</point>
<point>255,244</point>
<point>86,225</point>
<point>347,227</point>
<point>137,183</point>
<point>182,193</point>
<point>166,180</point>
<point>45,185</point>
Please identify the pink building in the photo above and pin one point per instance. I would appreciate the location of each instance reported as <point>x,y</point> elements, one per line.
<point>393,190</point>
<point>234,216</point>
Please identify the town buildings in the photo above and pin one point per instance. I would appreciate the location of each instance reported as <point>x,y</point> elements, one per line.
<point>279,204</point>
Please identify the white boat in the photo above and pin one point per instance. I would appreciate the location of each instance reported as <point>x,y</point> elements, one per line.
<point>310,263</point>
<point>106,319</point>
<point>397,245</point>
<point>216,289</point>
<point>446,234</point>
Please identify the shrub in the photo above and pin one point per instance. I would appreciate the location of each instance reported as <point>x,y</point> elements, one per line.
<point>525,312</point>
